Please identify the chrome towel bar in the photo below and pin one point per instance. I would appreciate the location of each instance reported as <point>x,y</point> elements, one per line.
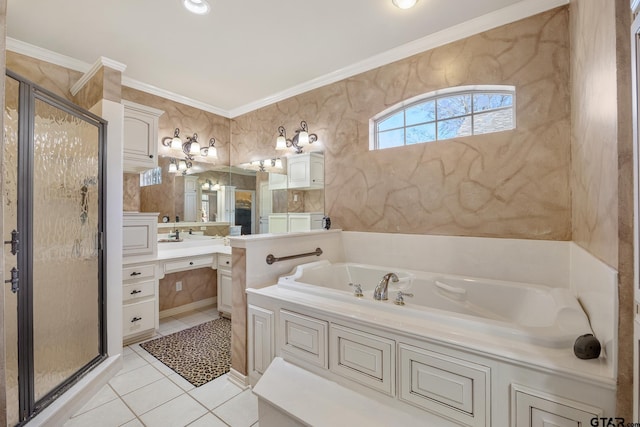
<point>271,259</point>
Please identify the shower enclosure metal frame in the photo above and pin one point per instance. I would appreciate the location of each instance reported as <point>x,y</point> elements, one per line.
<point>29,92</point>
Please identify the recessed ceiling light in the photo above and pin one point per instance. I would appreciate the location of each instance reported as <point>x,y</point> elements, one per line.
<point>404,4</point>
<point>199,7</point>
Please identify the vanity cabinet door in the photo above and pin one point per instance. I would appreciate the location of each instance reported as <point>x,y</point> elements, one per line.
<point>140,137</point>
<point>224,291</point>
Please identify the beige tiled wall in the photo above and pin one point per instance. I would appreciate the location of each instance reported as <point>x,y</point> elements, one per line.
<point>510,184</point>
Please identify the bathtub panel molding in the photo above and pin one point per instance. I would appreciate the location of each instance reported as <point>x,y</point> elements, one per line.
<point>511,184</point>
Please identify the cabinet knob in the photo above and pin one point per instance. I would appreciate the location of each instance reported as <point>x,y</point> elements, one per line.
<point>190,262</point>
<point>151,156</point>
<point>135,319</point>
<point>226,262</point>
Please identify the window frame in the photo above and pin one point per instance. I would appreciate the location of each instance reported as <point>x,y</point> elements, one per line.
<point>434,96</point>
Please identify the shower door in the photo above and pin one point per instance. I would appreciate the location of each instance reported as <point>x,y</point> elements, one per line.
<point>53,211</point>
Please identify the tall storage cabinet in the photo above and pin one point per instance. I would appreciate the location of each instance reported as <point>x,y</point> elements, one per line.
<point>140,150</point>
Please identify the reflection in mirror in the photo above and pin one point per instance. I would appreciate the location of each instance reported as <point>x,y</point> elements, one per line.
<point>289,192</point>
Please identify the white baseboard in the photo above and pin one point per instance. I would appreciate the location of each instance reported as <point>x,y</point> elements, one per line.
<point>207,302</point>
<point>238,379</point>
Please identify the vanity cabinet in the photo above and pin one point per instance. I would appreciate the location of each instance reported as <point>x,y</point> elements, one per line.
<point>295,222</point>
<point>224,284</point>
<point>139,277</point>
<point>139,301</point>
<point>140,137</point>
<point>305,171</point>
<point>139,233</point>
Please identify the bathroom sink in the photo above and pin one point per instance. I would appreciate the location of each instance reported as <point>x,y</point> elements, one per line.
<point>169,240</point>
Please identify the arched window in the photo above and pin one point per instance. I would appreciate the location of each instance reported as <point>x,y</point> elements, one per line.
<point>444,114</point>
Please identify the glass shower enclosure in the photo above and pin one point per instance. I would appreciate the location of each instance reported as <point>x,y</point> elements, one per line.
<point>53,210</point>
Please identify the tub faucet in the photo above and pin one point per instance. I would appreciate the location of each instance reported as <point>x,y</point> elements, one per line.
<point>380,293</point>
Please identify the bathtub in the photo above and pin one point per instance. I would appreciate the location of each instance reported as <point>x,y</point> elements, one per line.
<point>540,315</point>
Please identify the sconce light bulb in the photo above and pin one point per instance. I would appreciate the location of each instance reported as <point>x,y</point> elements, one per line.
<point>303,138</point>
<point>213,152</point>
<point>281,143</point>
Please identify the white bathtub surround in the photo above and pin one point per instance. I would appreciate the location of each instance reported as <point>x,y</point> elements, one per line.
<point>438,338</point>
<point>596,286</point>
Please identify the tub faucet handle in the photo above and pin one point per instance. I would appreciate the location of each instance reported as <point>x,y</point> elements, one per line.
<point>357,289</point>
<point>400,297</point>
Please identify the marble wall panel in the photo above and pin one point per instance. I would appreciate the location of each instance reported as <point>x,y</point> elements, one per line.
<point>509,184</point>
<point>594,170</point>
<point>131,192</point>
<point>52,77</point>
<point>239,310</point>
<point>196,285</point>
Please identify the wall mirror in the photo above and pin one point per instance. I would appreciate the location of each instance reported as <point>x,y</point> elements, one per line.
<point>272,195</point>
<point>289,192</point>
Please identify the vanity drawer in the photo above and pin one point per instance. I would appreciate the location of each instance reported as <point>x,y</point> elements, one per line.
<point>362,357</point>
<point>190,263</point>
<point>454,388</point>
<point>138,317</point>
<point>138,290</point>
<point>224,261</point>
<point>304,337</point>
<point>138,272</point>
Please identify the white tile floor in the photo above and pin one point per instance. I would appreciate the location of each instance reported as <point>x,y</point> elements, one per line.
<point>147,393</point>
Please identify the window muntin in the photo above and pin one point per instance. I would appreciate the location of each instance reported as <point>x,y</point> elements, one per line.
<point>452,114</point>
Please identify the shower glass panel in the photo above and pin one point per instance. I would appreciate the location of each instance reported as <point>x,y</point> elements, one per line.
<point>10,222</point>
<point>66,303</point>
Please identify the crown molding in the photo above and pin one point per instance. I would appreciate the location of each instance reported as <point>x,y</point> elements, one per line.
<point>46,55</point>
<point>507,15</point>
<point>100,62</point>
<point>153,90</point>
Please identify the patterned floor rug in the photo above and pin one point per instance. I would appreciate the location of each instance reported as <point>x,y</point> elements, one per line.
<point>198,354</point>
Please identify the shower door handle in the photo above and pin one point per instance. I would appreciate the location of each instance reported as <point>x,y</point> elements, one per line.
<point>15,280</point>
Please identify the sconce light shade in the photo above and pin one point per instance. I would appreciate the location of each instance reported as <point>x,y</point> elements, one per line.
<point>176,143</point>
<point>194,148</point>
<point>205,186</point>
<point>300,139</point>
<point>173,168</point>
<point>182,165</point>
<point>278,164</point>
<point>211,150</point>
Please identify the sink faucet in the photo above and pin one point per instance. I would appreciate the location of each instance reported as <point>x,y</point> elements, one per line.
<point>380,293</point>
<point>177,235</point>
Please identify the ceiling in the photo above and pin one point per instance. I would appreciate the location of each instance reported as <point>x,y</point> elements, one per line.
<point>245,53</point>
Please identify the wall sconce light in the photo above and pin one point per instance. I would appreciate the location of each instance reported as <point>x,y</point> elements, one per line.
<point>207,185</point>
<point>299,140</point>
<point>191,147</point>
<point>268,165</point>
<point>179,166</point>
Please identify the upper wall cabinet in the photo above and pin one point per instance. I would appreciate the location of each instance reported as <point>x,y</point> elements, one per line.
<point>306,171</point>
<point>140,137</point>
